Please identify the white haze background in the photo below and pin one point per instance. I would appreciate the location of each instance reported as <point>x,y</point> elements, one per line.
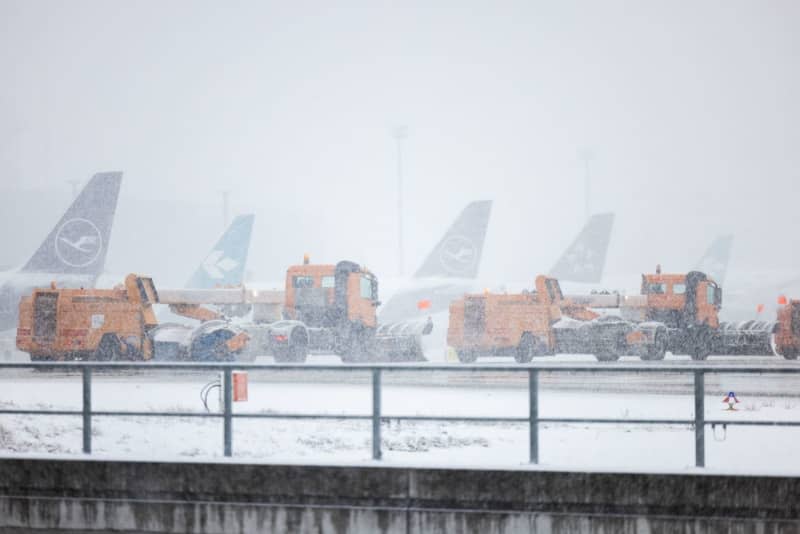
<point>689,108</point>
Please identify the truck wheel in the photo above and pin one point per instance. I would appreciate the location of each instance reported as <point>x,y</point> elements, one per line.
<point>526,349</point>
<point>790,354</point>
<point>467,356</point>
<point>658,349</point>
<point>39,357</point>
<point>108,350</point>
<point>699,350</point>
<point>296,351</point>
<point>607,356</point>
<point>699,343</point>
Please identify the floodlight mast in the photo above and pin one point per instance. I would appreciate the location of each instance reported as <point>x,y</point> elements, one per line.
<point>400,133</point>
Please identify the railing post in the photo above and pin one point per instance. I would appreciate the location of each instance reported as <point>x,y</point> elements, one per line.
<point>699,419</point>
<point>533,414</point>
<point>227,401</point>
<point>87,410</point>
<point>376,414</point>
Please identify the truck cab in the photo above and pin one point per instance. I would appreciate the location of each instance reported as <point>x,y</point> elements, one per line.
<point>787,330</point>
<point>324,296</point>
<point>681,300</point>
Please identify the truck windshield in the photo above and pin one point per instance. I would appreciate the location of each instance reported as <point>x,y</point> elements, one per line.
<point>368,287</point>
<point>656,288</point>
<point>714,295</point>
<point>303,281</point>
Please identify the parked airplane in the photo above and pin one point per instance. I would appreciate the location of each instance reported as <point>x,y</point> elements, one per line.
<point>715,260</point>
<point>439,280</point>
<point>73,254</point>
<point>585,259</point>
<point>224,265</point>
<point>447,272</point>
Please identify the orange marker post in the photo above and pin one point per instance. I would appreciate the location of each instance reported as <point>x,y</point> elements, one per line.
<point>239,386</point>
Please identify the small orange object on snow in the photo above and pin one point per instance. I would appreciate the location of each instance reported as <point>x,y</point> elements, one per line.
<point>239,386</point>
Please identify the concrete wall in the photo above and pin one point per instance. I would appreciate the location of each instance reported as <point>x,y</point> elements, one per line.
<point>86,495</point>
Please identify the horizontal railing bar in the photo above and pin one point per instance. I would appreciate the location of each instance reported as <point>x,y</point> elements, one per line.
<point>157,414</point>
<point>754,423</point>
<point>41,412</point>
<point>300,416</point>
<point>454,418</point>
<point>521,368</point>
<point>564,420</point>
<point>602,420</point>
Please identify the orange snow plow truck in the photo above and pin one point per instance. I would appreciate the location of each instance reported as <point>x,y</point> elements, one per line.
<point>542,322</point>
<point>674,312</point>
<point>118,324</point>
<point>332,309</point>
<point>787,329</point>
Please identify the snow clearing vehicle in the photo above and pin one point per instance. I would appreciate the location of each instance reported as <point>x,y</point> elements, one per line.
<point>542,322</point>
<point>332,308</point>
<point>678,313</point>
<point>119,324</point>
<point>787,329</point>
<point>688,305</point>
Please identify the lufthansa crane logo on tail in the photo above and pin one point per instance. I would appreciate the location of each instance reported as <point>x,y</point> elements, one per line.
<point>217,264</point>
<point>458,255</point>
<point>78,242</point>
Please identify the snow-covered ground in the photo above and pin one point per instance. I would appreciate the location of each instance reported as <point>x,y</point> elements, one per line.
<point>576,446</point>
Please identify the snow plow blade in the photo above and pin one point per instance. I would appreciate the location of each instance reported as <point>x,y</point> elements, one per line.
<point>402,341</point>
<point>753,338</point>
<point>211,341</point>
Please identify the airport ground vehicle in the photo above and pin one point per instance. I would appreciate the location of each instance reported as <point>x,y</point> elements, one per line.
<point>543,322</point>
<point>674,312</point>
<point>332,308</point>
<point>688,306</point>
<point>787,329</point>
<point>118,324</point>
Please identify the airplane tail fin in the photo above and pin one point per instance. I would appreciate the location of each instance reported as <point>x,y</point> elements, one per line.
<point>224,265</point>
<point>715,260</point>
<point>458,253</point>
<point>585,258</point>
<point>79,242</point>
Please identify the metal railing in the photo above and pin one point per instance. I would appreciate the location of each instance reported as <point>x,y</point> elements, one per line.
<point>698,422</point>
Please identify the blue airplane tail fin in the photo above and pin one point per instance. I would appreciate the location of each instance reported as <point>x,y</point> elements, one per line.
<point>79,242</point>
<point>224,265</point>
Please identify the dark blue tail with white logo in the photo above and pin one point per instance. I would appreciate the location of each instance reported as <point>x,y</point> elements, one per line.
<point>585,259</point>
<point>458,254</point>
<point>79,242</point>
<point>224,265</point>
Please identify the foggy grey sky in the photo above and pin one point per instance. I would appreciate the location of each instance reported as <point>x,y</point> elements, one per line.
<point>690,109</point>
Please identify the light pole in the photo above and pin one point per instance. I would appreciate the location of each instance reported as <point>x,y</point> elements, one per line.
<point>400,133</point>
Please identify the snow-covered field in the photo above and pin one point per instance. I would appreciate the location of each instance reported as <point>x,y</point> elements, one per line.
<point>579,446</point>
